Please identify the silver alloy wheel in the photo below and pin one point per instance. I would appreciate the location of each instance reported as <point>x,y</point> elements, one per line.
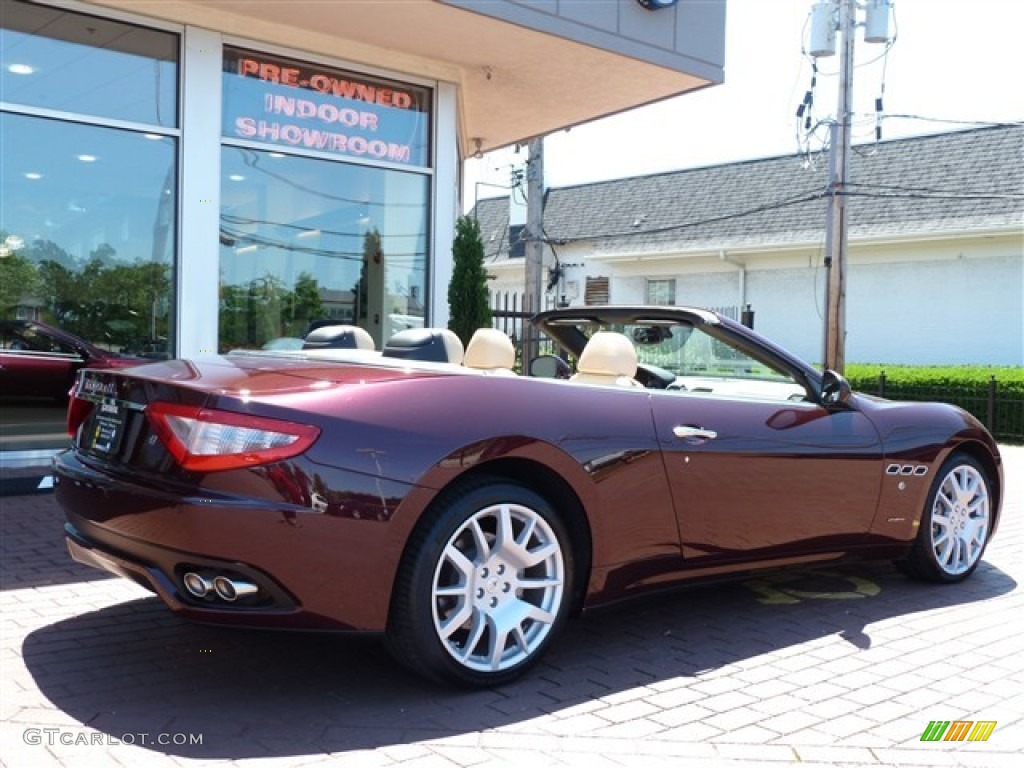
<point>498,587</point>
<point>960,519</point>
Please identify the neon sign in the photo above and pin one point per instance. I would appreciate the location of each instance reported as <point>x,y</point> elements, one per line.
<point>280,101</point>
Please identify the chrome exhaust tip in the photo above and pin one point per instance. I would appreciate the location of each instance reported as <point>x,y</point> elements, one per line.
<point>195,584</point>
<point>232,589</point>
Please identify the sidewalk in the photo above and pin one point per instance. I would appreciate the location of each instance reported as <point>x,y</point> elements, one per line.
<point>840,665</point>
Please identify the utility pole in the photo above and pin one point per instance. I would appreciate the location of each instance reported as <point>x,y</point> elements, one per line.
<point>839,168</point>
<point>534,234</point>
<point>827,19</point>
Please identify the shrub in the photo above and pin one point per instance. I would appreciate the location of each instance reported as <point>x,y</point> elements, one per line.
<point>467,291</point>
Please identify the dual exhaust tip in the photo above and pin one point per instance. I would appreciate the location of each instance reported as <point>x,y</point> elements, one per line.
<point>224,587</point>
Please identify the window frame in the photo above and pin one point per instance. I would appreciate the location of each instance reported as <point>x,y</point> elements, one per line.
<point>670,282</point>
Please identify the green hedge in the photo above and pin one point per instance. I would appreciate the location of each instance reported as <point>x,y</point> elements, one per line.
<point>1010,378</point>
<point>1001,409</point>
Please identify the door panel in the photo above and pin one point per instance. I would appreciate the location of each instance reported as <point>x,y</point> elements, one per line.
<point>754,479</point>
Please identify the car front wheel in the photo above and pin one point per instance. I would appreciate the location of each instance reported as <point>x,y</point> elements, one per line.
<point>955,525</point>
<point>484,586</point>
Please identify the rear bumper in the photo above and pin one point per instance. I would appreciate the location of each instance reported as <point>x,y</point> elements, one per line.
<point>82,551</point>
<point>162,572</point>
<point>311,571</point>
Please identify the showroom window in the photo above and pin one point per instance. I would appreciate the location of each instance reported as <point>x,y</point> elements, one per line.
<point>88,203</point>
<point>70,62</point>
<point>325,201</point>
<point>88,231</point>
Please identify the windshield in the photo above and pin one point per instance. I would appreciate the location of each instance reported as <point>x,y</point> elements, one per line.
<point>704,359</point>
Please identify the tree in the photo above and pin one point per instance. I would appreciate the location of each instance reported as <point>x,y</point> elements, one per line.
<point>372,251</point>
<point>467,292</point>
<point>302,305</point>
<point>18,281</point>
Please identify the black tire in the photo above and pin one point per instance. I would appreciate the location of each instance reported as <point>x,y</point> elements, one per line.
<point>955,524</point>
<point>467,612</point>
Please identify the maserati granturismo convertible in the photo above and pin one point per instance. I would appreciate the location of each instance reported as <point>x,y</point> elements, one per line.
<point>465,511</point>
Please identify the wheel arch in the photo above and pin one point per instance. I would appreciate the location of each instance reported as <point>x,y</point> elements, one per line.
<point>541,479</point>
<point>923,561</point>
<point>553,487</point>
<point>981,453</point>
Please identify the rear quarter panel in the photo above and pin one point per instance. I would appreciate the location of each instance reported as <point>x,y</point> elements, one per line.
<point>429,432</point>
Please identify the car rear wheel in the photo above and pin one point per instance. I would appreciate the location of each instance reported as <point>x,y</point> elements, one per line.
<point>484,586</point>
<point>955,525</point>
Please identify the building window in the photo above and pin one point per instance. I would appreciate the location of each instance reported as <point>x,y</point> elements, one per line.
<point>88,234</point>
<point>303,239</point>
<point>517,241</point>
<point>87,65</point>
<point>88,199</point>
<point>316,108</point>
<point>331,219</point>
<point>661,292</point>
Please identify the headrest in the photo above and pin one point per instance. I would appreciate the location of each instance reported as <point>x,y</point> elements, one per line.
<point>490,350</point>
<point>437,345</point>
<point>338,337</point>
<point>608,354</point>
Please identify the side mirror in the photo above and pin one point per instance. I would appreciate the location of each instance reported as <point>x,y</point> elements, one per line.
<point>835,390</point>
<point>550,367</point>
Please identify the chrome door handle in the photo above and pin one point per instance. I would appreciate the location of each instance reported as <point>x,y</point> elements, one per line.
<point>698,433</point>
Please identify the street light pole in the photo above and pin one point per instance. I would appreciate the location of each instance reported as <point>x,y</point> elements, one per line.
<point>839,166</point>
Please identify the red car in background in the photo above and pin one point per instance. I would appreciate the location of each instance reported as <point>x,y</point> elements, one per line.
<point>38,360</point>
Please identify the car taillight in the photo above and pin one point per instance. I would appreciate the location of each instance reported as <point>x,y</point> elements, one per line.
<point>78,411</point>
<point>209,440</point>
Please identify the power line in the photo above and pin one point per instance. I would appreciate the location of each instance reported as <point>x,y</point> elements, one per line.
<point>232,219</point>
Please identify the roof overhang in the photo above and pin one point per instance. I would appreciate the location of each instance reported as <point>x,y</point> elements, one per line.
<point>811,244</point>
<point>522,70</point>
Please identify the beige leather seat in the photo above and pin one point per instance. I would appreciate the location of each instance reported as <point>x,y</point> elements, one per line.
<point>491,351</point>
<point>609,358</point>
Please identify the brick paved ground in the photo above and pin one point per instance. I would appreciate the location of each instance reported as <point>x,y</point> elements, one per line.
<point>840,666</point>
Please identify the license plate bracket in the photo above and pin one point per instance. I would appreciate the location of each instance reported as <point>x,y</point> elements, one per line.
<point>107,428</point>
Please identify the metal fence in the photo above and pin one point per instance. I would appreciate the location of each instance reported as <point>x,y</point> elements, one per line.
<point>999,408</point>
<point>512,316</point>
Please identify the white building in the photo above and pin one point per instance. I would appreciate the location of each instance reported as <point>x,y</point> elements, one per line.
<point>936,246</point>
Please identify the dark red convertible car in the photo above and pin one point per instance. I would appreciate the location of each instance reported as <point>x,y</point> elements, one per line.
<point>38,360</point>
<point>465,511</point>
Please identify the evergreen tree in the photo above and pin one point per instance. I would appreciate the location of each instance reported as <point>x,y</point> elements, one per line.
<point>467,292</point>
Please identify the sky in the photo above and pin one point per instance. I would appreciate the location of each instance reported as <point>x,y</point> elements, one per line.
<point>951,60</point>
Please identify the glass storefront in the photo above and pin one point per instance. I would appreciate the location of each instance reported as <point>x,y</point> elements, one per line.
<point>88,197</point>
<point>88,231</point>
<point>324,201</point>
<point>79,64</point>
<point>329,222</point>
<point>307,241</point>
